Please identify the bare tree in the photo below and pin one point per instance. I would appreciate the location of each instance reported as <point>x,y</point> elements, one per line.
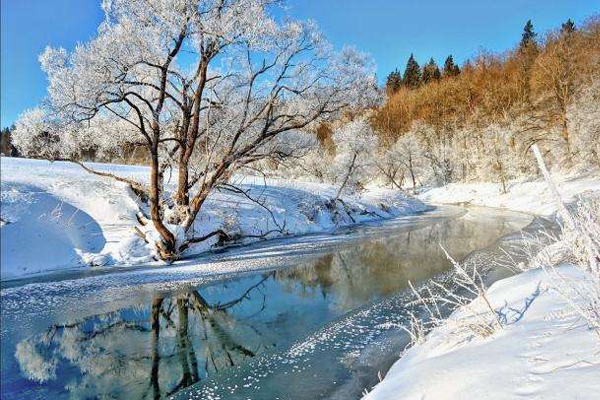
<point>204,85</point>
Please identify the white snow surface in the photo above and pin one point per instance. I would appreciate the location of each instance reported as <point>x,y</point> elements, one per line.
<point>544,352</point>
<point>532,197</point>
<point>57,216</point>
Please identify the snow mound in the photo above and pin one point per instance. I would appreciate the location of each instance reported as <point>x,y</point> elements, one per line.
<point>532,197</point>
<point>57,216</point>
<point>42,232</point>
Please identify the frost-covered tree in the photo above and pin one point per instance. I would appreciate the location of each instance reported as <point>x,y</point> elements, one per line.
<point>583,116</point>
<point>403,158</point>
<point>355,145</point>
<point>206,86</point>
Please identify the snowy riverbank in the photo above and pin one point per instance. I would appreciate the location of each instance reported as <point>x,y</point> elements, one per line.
<point>525,196</point>
<point>57,216</point>
<point>545,349</point>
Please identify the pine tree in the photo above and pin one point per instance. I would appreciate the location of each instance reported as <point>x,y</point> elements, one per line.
<point>412,73</point>
<point>456,70</point>
<point>568,27</point>
<point>6,146</point>
<point>393,81</point>
<point>528,37</point>
<point>431,71</point>
<point>426,74</point>
<point>437,75</point>
<point>450,69</point>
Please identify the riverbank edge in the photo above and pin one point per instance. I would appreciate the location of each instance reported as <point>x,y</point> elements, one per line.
<point>469,368</point>
<point>57,208</point>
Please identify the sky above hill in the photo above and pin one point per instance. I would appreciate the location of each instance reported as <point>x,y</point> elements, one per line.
<point>387,29</point>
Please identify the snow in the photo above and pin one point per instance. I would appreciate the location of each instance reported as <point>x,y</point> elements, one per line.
<point>55,216</point>
<point>525,196</point>
<point>544,351</point>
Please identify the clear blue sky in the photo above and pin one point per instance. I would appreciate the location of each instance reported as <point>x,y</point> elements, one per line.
<point>388,29</point>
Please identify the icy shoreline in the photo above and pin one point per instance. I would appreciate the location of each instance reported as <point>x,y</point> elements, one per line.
<point>72,218</point>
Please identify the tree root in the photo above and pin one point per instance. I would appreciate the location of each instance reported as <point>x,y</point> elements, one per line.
<point>223,237</point>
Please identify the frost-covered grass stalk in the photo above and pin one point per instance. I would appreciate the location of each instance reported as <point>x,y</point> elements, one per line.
<point>465,290</point>
<point>580,242</point>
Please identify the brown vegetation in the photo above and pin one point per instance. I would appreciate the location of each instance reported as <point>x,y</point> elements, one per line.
<point>538,82</point>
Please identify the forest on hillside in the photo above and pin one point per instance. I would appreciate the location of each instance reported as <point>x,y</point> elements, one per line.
<point>477,122</point>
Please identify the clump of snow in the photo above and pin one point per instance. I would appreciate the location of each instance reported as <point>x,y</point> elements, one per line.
<point>57,216</point>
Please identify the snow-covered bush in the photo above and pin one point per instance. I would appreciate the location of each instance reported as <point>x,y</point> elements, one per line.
<point>580,240</point>
<point>578,245</point>
<point>464,288</point>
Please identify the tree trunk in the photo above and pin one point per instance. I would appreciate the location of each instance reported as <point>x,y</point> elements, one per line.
<point>195,207</point>
<point>339,192</point>
<point>183,194</point>
<point>412,174</point>
<point>154,345</point>
<point>167,248</point>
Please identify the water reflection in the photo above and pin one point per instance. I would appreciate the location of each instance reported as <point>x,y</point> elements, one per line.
<point>384,266</point>
<point>204,336</point>
<point>145,351</point>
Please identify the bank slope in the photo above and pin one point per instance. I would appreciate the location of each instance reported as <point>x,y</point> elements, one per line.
<point>57,216</point>
<point>545,351</point>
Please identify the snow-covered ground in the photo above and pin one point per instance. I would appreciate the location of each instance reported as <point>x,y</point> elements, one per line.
<point>57,216</point>
<point>545,350</point>
<point>525,196</point>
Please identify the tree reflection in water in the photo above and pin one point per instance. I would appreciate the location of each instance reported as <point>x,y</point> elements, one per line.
<point>144,352</point>
<point>384,266</point>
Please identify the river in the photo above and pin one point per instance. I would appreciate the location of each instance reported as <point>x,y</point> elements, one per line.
<point>314,316</point>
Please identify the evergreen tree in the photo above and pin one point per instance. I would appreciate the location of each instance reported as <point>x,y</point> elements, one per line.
<point>437,75</point>
<point>426,74</point>
<point>528,37</point>
<point>393,81</point>
<point>568,27</point>
<point>431,71</point>
<point>6,146</point>
<point>412,73</point>
<point>450,69</point>
<point>456,70</point>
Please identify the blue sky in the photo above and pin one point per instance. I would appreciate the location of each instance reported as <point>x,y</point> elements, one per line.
<point>387,29</point>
